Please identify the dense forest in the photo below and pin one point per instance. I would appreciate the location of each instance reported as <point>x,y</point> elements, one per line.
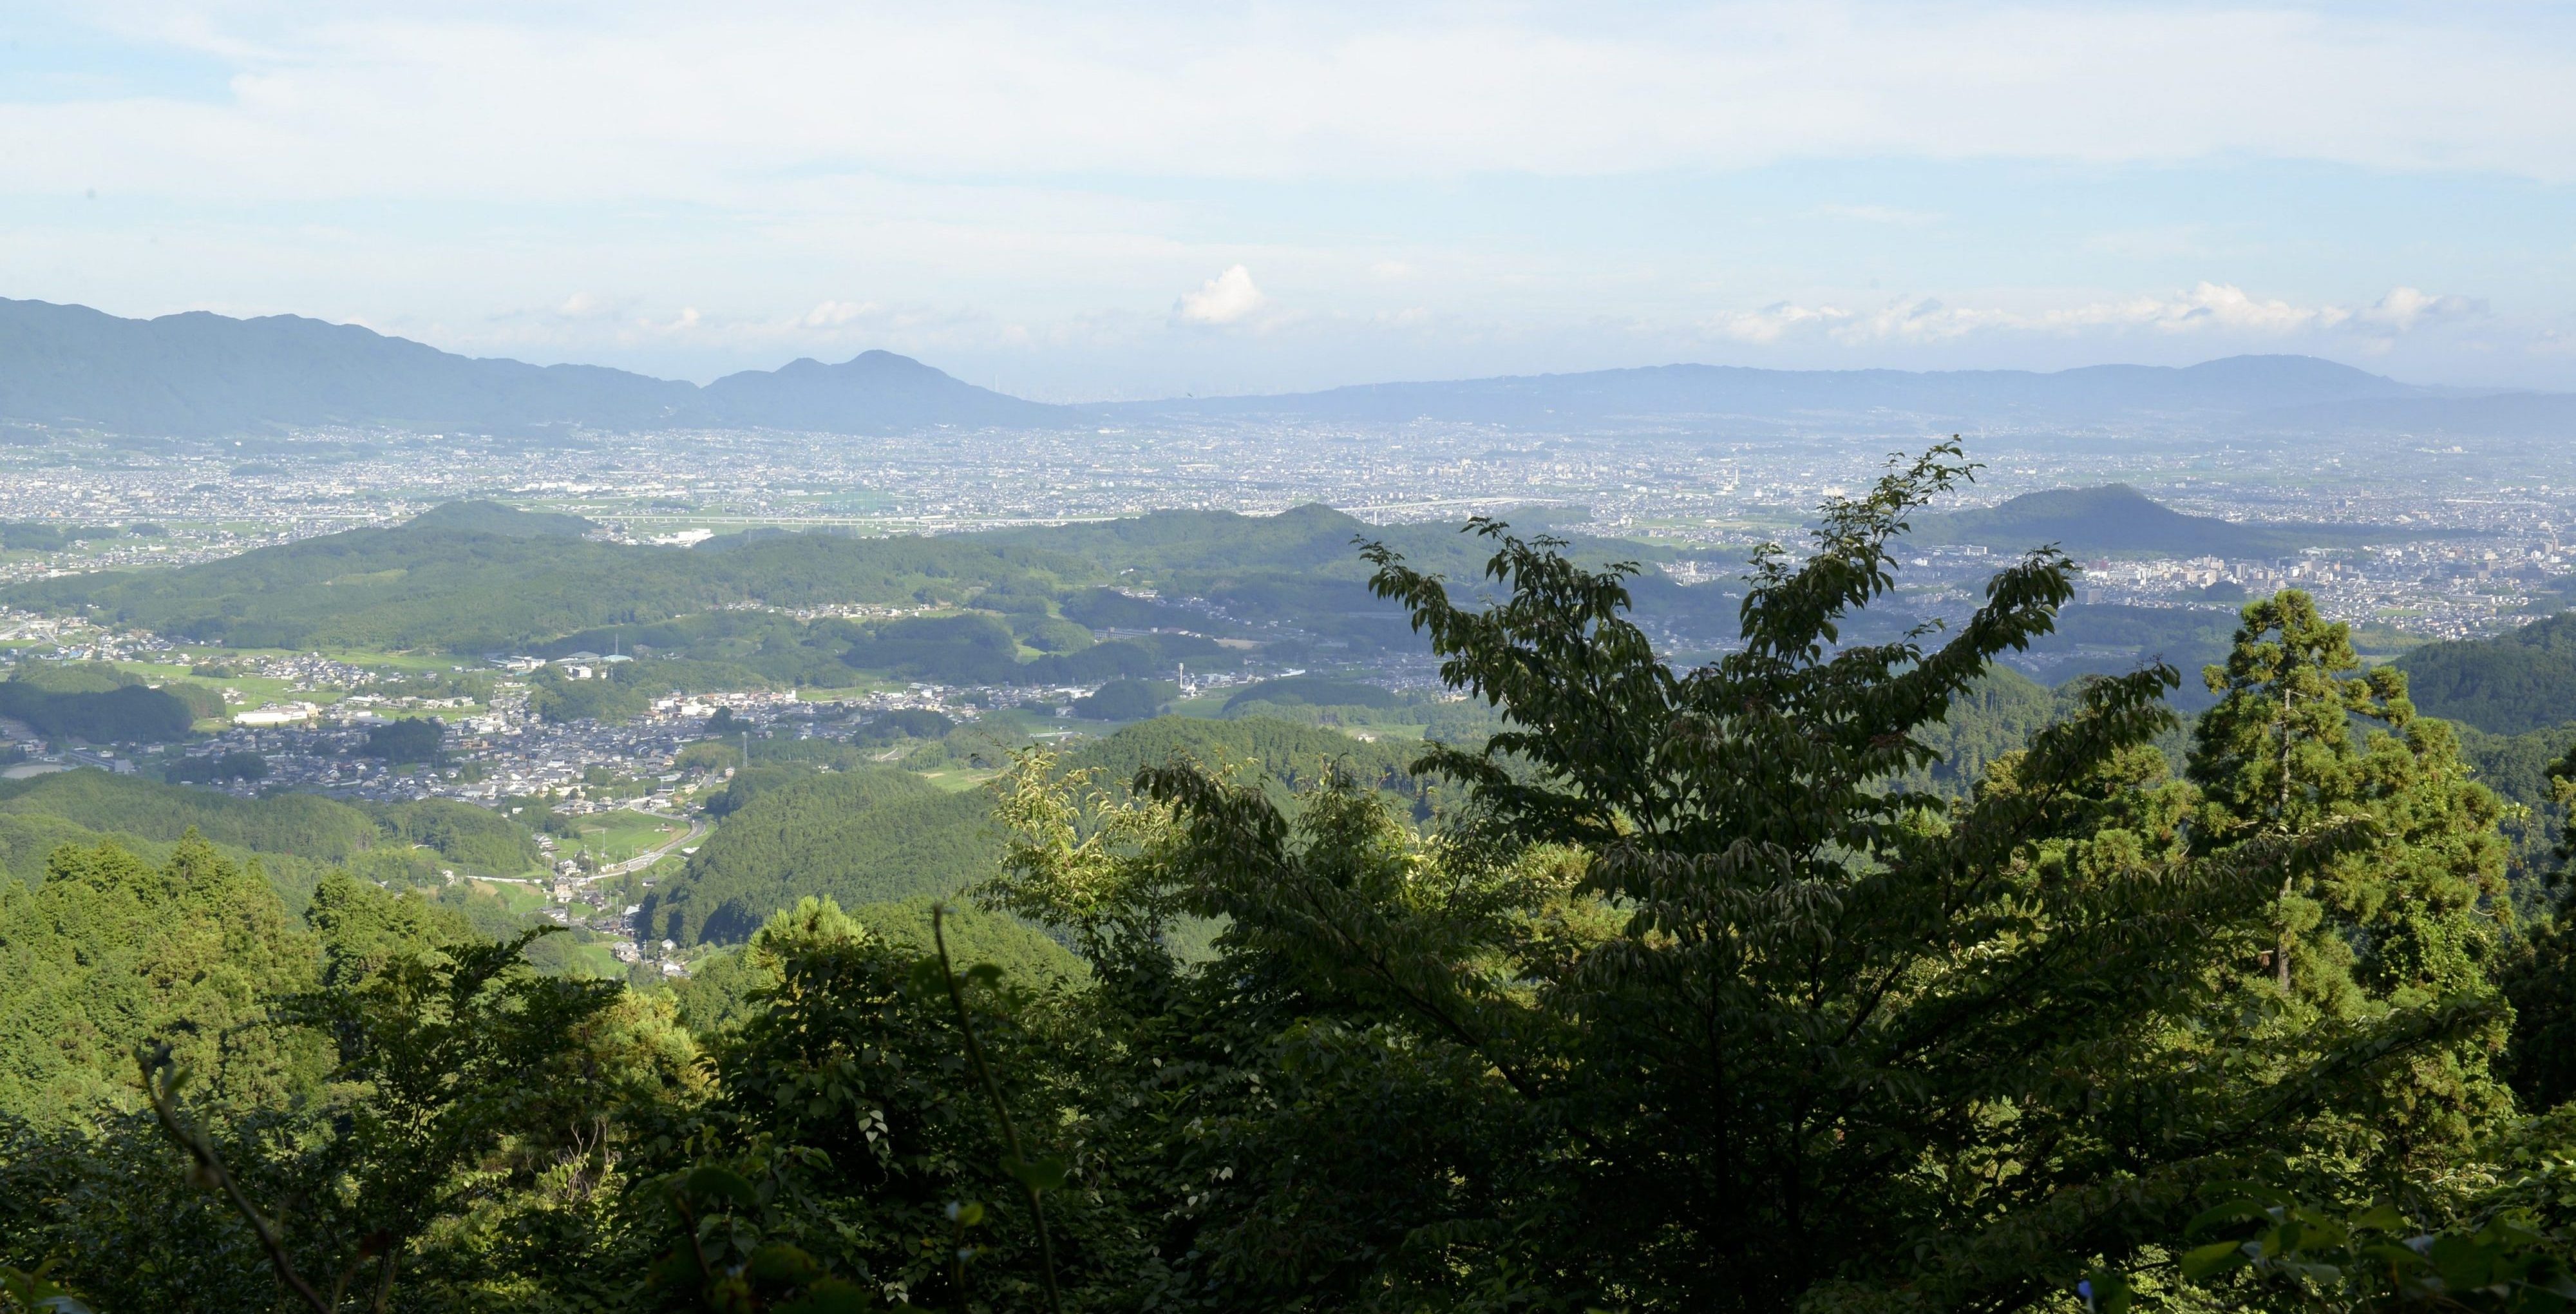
<point>476,577</point>
<point>293,837</point>
<point>1835,974</point>
<point>98,703</point>
<point>869,835</point>
<point>2508,685</point>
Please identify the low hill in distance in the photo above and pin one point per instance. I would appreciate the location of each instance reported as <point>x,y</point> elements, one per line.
<point>481,517</point>
<point>2232,387</point>
<point>873,392</point>
<point>2116,518</point>
<point>475,577</point>
<point>200,374</point>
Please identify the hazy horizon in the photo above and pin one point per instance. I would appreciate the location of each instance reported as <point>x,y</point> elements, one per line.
<point>1083,205</point>
<point>1366,382</point>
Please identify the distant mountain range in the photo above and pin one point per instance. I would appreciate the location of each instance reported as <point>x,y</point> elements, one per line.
<point>2234,386</point>
<point>200,374</point>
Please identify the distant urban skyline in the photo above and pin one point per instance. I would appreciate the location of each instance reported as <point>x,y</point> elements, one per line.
<point>1079,205</point>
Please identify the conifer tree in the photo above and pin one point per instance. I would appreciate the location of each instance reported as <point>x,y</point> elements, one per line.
<point>2306,741</point>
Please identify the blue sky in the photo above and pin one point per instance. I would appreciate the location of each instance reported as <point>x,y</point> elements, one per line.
<point>1136,199</point>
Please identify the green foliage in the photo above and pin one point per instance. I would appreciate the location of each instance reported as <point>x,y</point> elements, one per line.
<point>1696,1010</point>
<point>1121,700</point>
<point>27,536</point>
<point>970,649</point>
<point>446,1062</point>
<point>472,578</point>
<point>433,585</point>
<point>847,1124</point>
<point>304,831</point>
<point>414,739</point>
<point>2401,917</point>
<point>233,765</point>
<point>726,986</point>
<point>2518,768</point>
<point>1286,755</point>
<point>1844,973</point>
<point>1314,689</point>
<point>558,697</point>
<point>2508,685</point>
<point>2540,979</point>
<point>2265,1250</point>
<point>904,723</point>
<point>473,838</point>
<point>1992,719</point>
<point>862,837</point>
<point>303,825</point>
<point>1050,634</point>
<point>111,950</point>
<point>484,517</point>
<point>707,756</point>
<point>130,713</point>
<point>868,835</point>
<point>1023,954</point>
<point>2111,640</point>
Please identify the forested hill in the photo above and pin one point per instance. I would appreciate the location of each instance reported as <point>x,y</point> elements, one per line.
<point>294,836</point>
<point>482,579</point>
<point>2508,685</point>
<point>200,373</point>
<point>2116,518</point>
<point>473,577</point>
<point>873,836</point>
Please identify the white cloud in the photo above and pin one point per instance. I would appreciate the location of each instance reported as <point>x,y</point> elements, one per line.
<point>2404,308</point>
<point>2216,309</point>
<point>592,99</point>
<point>1228,298</point>
<point>834,314</point>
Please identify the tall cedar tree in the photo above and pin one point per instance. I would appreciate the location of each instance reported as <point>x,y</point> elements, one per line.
<point>2305,741</point>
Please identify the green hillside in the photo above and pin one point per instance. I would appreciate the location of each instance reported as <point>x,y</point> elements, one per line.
<point>102,704</point>
<point>2507,685</point>
<point>479,517</point>
<point>426,584</point>
<point>862,837</point>
<point>2517,767</point>
<point>876,835</point>
<point>295,836</point>
<point>1288,754</point>
<point>474,576</point>
<point>2114,640</point>
<point>2116,518</point>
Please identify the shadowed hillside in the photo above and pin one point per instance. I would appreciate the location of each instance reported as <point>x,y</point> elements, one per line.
<point>2116,518</point>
